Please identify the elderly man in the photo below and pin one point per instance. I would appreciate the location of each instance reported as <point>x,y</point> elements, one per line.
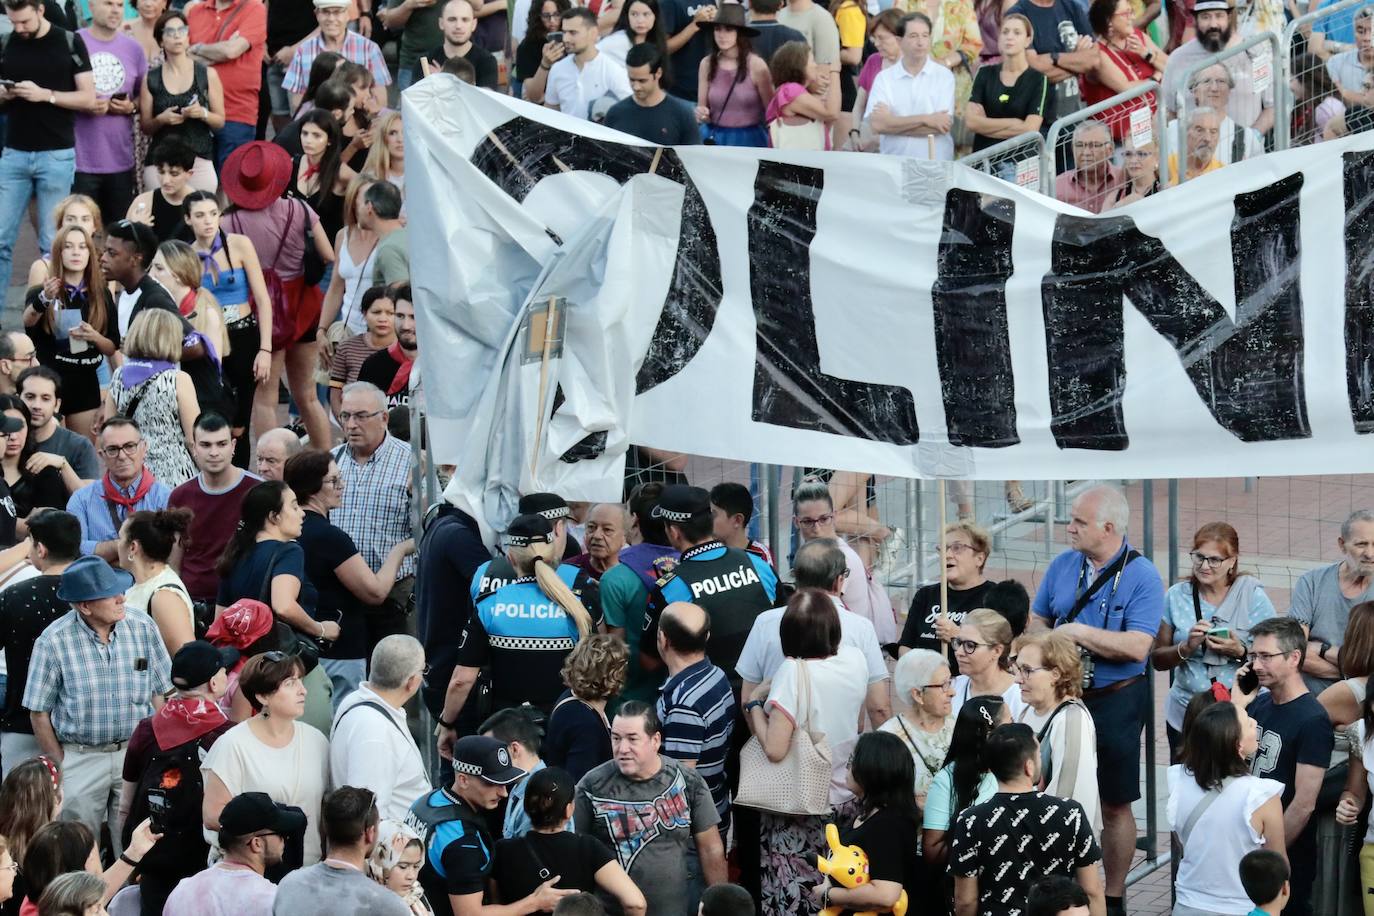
<point>96,672</point>
<point>275,448</point>
<point>370,743</point>
<point>1095,181</point>
<point>605,530</point>
<point>375,469</point>
<point>1212,89</point>
<point>1200,146</point>
<point>1109,600</point>
<point>1216,31</point>
<point>126,488</point>
<point>911,105</point>
<point>1323,598</point>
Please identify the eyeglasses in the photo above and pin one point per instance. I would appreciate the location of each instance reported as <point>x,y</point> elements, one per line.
<point>1088,144</point>
<point>128,448</point>
<point>27,359</point>
<point>174,31</point>
<point>947,686</point>
<point>1265,657</point>
<point>1027,670</point>
<point>275,656</point>
<point>1136,153</point>
<point>959,547</point>
<point>359,415</point>
<point>968,645</point>
<point>551,17</point>
<point>1202,559</point>
<point>13,866</point>
<point>813,522</point>
<point>336,482</point>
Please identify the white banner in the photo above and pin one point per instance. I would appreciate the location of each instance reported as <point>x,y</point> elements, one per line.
<point>871,313</point>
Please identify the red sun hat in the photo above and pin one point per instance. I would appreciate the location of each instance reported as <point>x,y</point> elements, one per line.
<point>256,174</point>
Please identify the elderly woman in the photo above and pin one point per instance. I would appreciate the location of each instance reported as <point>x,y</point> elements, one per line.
<point>579,735</point>
<point>1051,677</point>
<point>838,676</point>
<point>272,753</point>
<point>967,548</point>
<point>395,864</point>
<point>1141,165</point>
<point>151,389</point>
<point>922,681</point>
<point>983,648</point>
<point>1205,633</point>
<point>1126,58</point>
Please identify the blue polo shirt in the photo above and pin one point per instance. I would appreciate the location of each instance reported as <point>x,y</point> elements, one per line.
<point>1132,602</point>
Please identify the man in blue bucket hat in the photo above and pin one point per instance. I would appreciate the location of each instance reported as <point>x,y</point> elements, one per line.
<point>95,673</point>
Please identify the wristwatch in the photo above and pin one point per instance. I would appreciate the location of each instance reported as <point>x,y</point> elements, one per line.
<point>752,705</point>
<point>1054,58</point>
<point>1326,647</point>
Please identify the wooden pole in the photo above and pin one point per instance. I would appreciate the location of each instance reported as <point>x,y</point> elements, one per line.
<point>930,154</point>
<point>549,325</point>
<point>944,570</point>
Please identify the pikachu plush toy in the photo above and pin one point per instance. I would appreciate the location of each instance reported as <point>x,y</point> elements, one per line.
<point>847,866</point>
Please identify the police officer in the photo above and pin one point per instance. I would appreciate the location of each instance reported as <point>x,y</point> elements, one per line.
<point>732,585</point>
<point>451,822</point>
<point>522,630</point>
<point>491,576</point>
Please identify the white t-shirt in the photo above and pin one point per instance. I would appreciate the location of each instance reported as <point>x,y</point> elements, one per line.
<point>907,95</point>
<point>865,597</point>
<point>1209,873</point>
<point>1072,742</point>
<point>297,774</point>
<point>1011,696</point>
<point>367,750</point>
<point>572,91</point>
<point>222,890</point>
<point>762,654</point>
<point>615,46</point>
<point>838,686</point>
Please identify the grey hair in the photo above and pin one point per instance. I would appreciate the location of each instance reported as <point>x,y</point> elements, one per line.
<point>1112,507</point>
<point>812,489</point>
<point>1091,124</point>
<point>624,513</point>
<point>1205,109</point>
<point>1355,518</point>
<point>1197,77</point>
<point>366,388</point>
<point>819,563</point>
<point>396,658</point>
<point>914,671</point>
<point>72,892</point>
<point>290,441</point>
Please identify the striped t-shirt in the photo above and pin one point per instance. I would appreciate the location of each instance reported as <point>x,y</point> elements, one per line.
<point>697,712</point>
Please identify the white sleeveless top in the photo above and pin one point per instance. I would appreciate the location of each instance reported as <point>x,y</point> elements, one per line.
<point>140,594</point>
<point>357,280</point>
<point>1209,875</point>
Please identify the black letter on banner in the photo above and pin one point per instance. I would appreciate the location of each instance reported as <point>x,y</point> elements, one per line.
<point>1248,372</point>
<point>971,340</point>
<point>789,387</point>
<point>520,153</point>
<point>1359,287</point>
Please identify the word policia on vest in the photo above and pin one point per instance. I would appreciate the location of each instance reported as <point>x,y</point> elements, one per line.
<point>869,312</point>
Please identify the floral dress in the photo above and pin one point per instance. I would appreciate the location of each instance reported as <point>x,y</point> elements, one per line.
<point>928,749</point>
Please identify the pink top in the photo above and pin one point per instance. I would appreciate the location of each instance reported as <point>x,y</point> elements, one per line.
<point>785,95</point>
<point>734,104</point>
<point>277,233</point>
<point>871,68</point>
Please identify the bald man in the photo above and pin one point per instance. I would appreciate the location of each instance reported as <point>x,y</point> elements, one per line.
<point>275,448</point>
<point>696,708</point>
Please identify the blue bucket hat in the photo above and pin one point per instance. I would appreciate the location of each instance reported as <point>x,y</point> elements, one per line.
<point>90,579</point>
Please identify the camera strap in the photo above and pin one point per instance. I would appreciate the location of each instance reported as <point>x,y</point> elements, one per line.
<point>1113,572</point>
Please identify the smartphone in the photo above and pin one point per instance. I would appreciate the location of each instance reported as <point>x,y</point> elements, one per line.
<point>120,96</point>
<point>8,84</point>
<point>362,119</point>
<point>1248,682</point>
<point>157,810</point>
<point>556,36</point>
<point>1220,632</point>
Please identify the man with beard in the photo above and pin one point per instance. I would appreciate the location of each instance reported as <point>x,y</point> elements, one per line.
<point>1200,146</point>
<point>1216,31</point>
<point>389,368</point>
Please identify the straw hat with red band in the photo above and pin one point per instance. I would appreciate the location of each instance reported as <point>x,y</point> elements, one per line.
<point>256,174</point>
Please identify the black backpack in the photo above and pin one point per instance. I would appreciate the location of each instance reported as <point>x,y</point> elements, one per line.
<point>171,791</point>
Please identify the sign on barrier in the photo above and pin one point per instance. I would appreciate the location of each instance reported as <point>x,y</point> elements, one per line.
<point>1016,160</point>
<point>1082,170</point>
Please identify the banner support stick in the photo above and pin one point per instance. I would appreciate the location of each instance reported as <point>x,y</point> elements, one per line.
<point>944,570</point>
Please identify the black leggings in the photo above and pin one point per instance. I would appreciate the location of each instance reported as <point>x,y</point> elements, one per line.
<point>244,342</point>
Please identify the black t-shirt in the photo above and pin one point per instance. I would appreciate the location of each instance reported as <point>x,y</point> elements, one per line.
<point>891,841</point>
<point>576,857</point>
<point>26,610</point>
<point>1030,95</point>
<point>288,21</point>
<point>576,739</point>
<point>481,59</point>
<point>772,35</point>
<point>671,122</point>
<point>54,349</point>
<point>1013,840</point>
<point>380,369</point>
<point>52,61</point>
<point>686,60</point>
<point>919,631</point>
<point>1057,30</point>
<point>249,576</point>
<point>44,490</point>
<point>1291,733</point>
<point>447,558</point>
<point>326,548</point>
<point>527,57</point>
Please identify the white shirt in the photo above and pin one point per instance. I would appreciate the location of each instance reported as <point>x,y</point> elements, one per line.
<point>365,750</point>
<point>762,655</point>
<point>572,91</point>
<point>1208,878</point>
<point>615,45</point>
<point>837,692</point>
<point>963,687</point>
<point>1072,741</point>
<point>906,95</point>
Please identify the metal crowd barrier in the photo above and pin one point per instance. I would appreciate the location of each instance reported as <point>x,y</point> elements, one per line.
<point>1018,160</point>
<point>1142,131</point>
<point>1301,64</point>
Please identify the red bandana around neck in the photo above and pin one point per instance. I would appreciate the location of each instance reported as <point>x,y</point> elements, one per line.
<point>402,380</point>
<point>113,495</point>
<point>181,720</point>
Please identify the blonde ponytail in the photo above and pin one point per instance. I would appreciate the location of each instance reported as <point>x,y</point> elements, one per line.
<point>538,559</point>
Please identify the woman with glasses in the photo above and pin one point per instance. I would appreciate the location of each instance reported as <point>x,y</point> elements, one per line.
<point>30,797</point>
<point>923,683</point>
<point>42,490</point>
<point>152,390</point>
<point>181,99</point>
<point>544,18</point>
<point>967,548</point>
<point>983,649</point>
<point>271,752</point>
<point>1205,633</point>
<point>1051,677</point>
<point>1141,164</point>
<point>347,585</point>
<point>961,782</point>
<point>1126,58</point>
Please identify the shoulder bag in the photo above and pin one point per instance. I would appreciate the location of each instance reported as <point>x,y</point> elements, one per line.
<point>800,782</point>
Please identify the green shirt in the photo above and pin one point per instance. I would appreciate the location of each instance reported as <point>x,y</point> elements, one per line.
<point>420,33</point>
<point>624,602</point>
<point>391,264</point>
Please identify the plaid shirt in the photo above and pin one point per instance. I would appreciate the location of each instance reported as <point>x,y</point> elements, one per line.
<point>376,502</point>
<point>356,48</point>
<point>94,691</point>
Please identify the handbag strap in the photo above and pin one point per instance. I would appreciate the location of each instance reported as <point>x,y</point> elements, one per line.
<point>1200,809</point>
<point>544,873</point>
<point>744,65</point>
<point>804,688</point>
<point>265,593</point>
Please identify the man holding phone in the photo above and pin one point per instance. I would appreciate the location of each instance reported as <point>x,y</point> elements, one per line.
<point>104,132</point>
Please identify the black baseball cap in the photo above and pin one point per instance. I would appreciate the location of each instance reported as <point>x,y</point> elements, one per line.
<point>487,759</point>
<point>255,812</point>
<point>550,505</point>
<point>529,529</point>
<point>197,661</point>
<point>681,503</point>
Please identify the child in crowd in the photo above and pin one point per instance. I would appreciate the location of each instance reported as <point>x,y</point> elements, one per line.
<point>1057,895</point>
<point>1264,875</point>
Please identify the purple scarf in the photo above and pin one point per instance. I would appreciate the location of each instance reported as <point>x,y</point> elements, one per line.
<point>138,371</point>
